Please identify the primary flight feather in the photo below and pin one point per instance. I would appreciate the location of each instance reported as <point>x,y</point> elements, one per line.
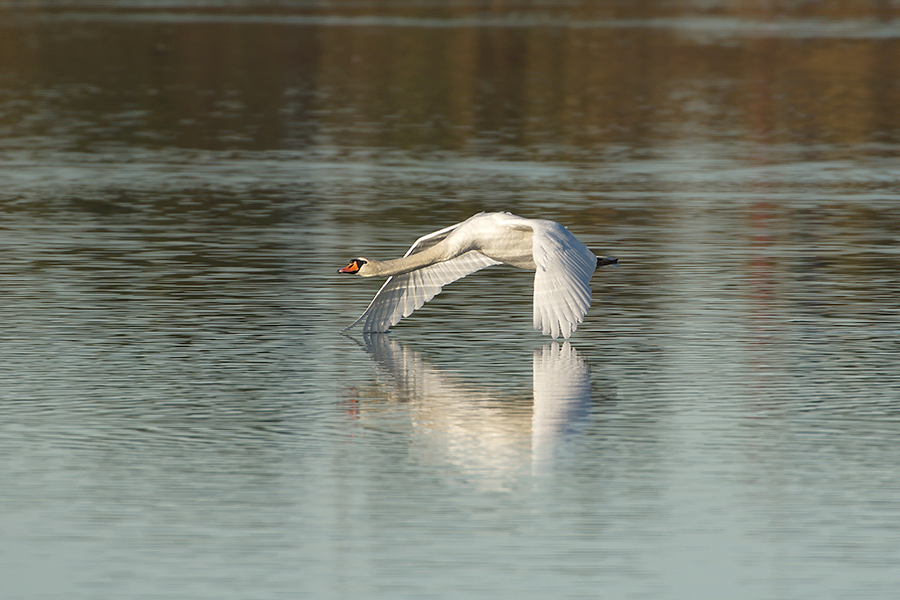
<point>563,268</point>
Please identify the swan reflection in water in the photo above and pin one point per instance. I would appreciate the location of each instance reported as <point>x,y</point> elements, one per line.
<point>481,427</point>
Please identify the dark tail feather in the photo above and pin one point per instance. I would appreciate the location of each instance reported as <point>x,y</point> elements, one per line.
<point>606,260</point>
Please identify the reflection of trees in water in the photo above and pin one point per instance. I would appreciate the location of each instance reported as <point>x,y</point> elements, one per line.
<point>551,89</point>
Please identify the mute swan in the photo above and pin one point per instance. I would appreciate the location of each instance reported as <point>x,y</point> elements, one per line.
<point>563,267</point>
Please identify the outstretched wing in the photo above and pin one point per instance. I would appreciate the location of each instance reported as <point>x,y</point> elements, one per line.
<point>562,288</point>
<point>402,294</point>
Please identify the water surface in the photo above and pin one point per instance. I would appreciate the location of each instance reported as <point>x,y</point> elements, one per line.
<point>180,414</point>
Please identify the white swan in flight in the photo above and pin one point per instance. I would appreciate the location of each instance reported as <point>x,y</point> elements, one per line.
<point>563,268</point>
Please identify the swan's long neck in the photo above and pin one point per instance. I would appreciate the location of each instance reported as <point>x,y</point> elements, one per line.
<point>399,266</point>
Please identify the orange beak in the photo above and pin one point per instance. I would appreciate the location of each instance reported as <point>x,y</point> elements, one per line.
<point>353,267</point>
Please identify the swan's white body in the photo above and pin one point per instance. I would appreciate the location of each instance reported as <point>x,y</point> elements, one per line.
<point>563,268</point>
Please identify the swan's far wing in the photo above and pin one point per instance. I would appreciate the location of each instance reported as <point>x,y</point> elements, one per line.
<point>430,239</point>
<point>562,288</point>
<point>402,294</point>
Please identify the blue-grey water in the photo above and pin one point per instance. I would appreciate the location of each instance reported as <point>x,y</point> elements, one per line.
<point>181,417</point>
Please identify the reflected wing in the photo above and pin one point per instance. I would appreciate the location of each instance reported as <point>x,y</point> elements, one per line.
<point>562,396</point>
<point>562,289</point>
<point>402,294</point>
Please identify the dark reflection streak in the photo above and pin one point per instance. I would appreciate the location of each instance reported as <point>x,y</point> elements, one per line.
<point>716,26</point>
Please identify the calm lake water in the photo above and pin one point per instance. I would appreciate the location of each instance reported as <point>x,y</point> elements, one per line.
<point>180,416</point>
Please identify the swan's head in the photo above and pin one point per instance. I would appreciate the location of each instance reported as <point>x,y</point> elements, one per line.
<point>354,267</point>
